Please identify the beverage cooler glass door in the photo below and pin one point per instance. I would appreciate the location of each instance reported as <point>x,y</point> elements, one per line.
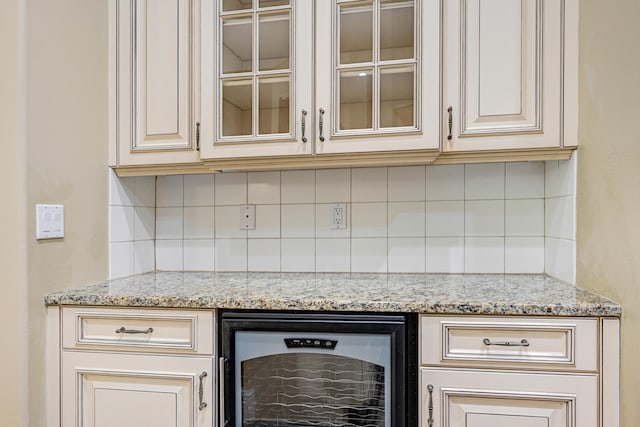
<point>313,372</point>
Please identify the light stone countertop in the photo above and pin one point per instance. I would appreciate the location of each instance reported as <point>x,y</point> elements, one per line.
<point>489,294</point>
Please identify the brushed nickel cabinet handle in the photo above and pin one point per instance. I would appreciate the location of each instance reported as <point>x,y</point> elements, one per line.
<point>304,125</point>
<point>522,343</point>
<point>197,136</point>
<point>450,111</point>
<point>201,392</point>
<point>430,407</point>
<point>123,330</point>
<point>321,124</point>
<point>221,384</point>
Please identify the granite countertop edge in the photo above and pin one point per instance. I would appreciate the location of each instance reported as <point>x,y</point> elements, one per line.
<point>477,294</point>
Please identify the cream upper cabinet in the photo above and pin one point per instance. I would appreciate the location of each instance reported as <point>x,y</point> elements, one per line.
<point>377,75</point>
<point>257,78</point>
<point>503,75</point>
<point>153,81</point>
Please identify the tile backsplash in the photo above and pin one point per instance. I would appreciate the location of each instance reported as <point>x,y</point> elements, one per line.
<point>475,218</point>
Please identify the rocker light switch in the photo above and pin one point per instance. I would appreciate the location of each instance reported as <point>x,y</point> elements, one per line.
<point>49,221</point>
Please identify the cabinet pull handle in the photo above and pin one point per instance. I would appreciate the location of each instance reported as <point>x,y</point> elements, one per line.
<point>430,408</point>
<point>124,330</point>
<point>197,136</point>
<point>321,124</point>
<point>522,343</point>
<point>450,111</point>
<point>221,384</point>
<point>304,125</point>
<point>201,392</point>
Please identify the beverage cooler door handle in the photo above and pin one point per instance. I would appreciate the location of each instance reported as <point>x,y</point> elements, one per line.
<point>221,366</point>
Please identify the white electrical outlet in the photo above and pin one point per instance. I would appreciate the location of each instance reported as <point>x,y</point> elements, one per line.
<point>248,217</point>
<point>339,216</point>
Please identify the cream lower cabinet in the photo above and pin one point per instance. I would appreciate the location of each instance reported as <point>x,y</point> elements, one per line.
<point>123,390</point>
<point>125,367</point>
<point>481,371</point>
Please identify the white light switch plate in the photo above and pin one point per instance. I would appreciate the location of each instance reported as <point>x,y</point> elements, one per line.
<point>49,221</point>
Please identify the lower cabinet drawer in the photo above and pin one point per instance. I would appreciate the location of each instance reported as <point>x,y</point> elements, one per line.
<point>146,330</point>
<point>559,343</point>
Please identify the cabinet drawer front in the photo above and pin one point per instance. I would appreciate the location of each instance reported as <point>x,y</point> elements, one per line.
<point>138,330</point>
<point>538,343</point>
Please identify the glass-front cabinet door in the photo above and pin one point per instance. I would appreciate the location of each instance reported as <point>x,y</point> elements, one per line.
<point>378,75</point>
<point>256,78</point>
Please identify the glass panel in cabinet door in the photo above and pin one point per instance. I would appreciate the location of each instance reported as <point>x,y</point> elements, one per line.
<point>237,106</point>
<point>397,35</point>
<point>356,99</point>
<point>356,33</point>
<point>232,5</point>
<point>397,97</point>
<point>273,45</point>
<point>273,101</point>
<point>236,44</point>
<point>272,3</point>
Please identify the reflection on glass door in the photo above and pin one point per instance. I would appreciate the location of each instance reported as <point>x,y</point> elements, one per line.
<point>376,65</point>
<point>255,71</point>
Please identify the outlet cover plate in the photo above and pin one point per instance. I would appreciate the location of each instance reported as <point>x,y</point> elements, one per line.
<point>338,216</point>
<point>248,217</point>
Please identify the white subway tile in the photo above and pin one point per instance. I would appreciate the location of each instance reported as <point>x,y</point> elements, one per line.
<point>484,218</point>
<point>267,222</point>
<point>368,220</point>
<point>445,255</point>
<point>445,219</point>
<point>199,190</point>
<point>264,188</point>
<point>406,219</point>
<point>145,191</point>
<point>560,259</point>
<point>199,255</point>
<point>144,256</point>
<point>169,191</point>
<point>484,181</point>
<point>227,223</point>
<point>121,190</point>
<point>230,188</point>
<point>298,255</point>
<point>144,223</point>
<point>121,259</point>
<point>524,255</point>
<point>298,221</point>
<point>369,185</point>
<point>484,255</point>
<point>369,255</point>
<point>560,217</point>
<point>264,255</point>
<point>524,180</point>
<point>524,217</point>
<point>551,179</point>
<point>333,186</point>
<point>407,184</point>
<point>121,224</point>
<point>198,222</point>
<point>323,222</point>
<point>445,182</point>
<point>230,255</point>
<point>560,177</point>
<point>298,186</point>
<point>333,255</point>
<point>169,255</point>
<point>169,223</point>
<point>406,255</point>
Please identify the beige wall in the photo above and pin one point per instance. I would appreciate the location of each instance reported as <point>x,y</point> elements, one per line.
<point>59,155</point>
<point>13,304</point>
<point>608,224</point>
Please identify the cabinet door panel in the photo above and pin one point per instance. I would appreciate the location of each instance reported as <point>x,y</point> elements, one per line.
<point>478,399</point>
<point>503,74</point>
<point>155,84</point>
<point>105,390</point>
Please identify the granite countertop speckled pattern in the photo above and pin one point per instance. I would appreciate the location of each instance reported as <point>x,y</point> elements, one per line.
<point>424,293</point>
